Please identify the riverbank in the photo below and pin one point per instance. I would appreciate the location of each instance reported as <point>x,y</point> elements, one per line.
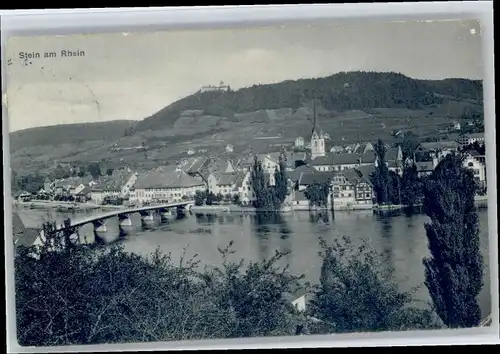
<point>239,209</point>
<point>62,206</point>
<point>480,202</point>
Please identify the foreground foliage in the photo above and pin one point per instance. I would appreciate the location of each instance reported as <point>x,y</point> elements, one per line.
<point>79,295</point>
<point>72,293</point>
<point>358,293</point>
<point>454,270</point>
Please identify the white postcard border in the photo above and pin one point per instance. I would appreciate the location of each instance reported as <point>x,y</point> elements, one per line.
<point>72,21</point>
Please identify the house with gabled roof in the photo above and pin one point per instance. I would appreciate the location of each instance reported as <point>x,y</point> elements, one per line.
<point>438,149</point>
<point>425,168</point>
<point>349,188</point>
<point>118,185</point>
<point>166,183</point>
<point>468,139</point>
<point>342,161</point>
<point>196,167</point>
<point>223,183</point>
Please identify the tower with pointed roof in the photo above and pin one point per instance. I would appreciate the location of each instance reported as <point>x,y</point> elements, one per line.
<point>317,137</point>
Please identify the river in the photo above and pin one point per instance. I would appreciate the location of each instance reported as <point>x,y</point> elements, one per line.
<point>400,238</point>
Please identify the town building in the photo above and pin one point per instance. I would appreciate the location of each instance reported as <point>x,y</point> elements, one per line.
<point>363,148</point>
<point>70,186</point>
<point>244,186</point>
<point>349,188</point>
<point>166,184</point>
<point>299,142</point>
<point>318,148</point>
<point>47,184</point>
<point>337,149</point>
<point>196,167</point>
<point>214,88</point>
<point>223,183</point>
<point>469,139</point>
<point>439,149</point>
<point>455,125</point>
<point>425,168</point>
<point>119,185</point>
<point>478,168</point>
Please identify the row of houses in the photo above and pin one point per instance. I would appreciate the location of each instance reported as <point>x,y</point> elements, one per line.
<point>348,173</point>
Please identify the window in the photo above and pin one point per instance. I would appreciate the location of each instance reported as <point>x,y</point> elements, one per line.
<point>471,164</point>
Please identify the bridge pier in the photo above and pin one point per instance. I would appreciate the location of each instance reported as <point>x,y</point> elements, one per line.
<point>100,230</point>
<point>124,220</point>
<point>147,217</point>
<point>74,237</point>
<point>165,214</point>
<point>99,226</point>
<point>124,223</point>
<point>181,210</point>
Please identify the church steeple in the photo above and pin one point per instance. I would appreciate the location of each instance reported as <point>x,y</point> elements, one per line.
<point>314,129</point>
<point>317,138</point>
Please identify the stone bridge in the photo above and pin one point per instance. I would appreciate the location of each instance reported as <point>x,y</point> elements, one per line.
<point>148,214</point>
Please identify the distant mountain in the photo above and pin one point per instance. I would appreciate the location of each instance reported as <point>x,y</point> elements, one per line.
<point>339,92</point>
<point>69,134</point>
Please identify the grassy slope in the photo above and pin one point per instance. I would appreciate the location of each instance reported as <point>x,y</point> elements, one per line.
<point>68,134</point>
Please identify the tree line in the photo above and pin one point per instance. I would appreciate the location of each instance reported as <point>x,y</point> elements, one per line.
<point>341,91</point>
<point>76,293</point>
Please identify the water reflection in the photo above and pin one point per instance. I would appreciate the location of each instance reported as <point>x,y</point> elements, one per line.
<point>387,240</point>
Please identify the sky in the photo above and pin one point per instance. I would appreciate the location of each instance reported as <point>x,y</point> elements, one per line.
<point>134,75</point>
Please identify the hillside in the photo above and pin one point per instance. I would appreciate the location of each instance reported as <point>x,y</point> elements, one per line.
<point>68,134</point>
<point>339,92</point>
<point>351,107</point>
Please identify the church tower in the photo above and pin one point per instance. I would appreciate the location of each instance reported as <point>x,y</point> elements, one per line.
<point>317,137</point>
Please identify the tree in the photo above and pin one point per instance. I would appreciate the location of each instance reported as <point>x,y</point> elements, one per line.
<point>211,199</point>
<point>266,196</point>
<point>281,182</point>
<point>94,169</point>
<point>411,186</point>
<point>199,198</point>
<point>380,177</point>
<point>394,188</point>
<point>109,172</point>
<point>358,293</point>
<point>317,194</point>
<point>454,269</point>
<point>236,199</point>
<point>409,145</point>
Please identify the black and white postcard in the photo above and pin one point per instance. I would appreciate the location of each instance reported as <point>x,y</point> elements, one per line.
<point>287,180</point>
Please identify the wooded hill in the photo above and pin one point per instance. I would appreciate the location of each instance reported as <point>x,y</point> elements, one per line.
<point>339,92</point>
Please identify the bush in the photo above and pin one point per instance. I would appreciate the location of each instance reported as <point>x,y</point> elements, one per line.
<point>357,293</point>
<point>88,295</point>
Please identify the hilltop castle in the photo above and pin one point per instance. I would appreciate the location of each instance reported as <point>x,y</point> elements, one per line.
<point>220,87</point>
